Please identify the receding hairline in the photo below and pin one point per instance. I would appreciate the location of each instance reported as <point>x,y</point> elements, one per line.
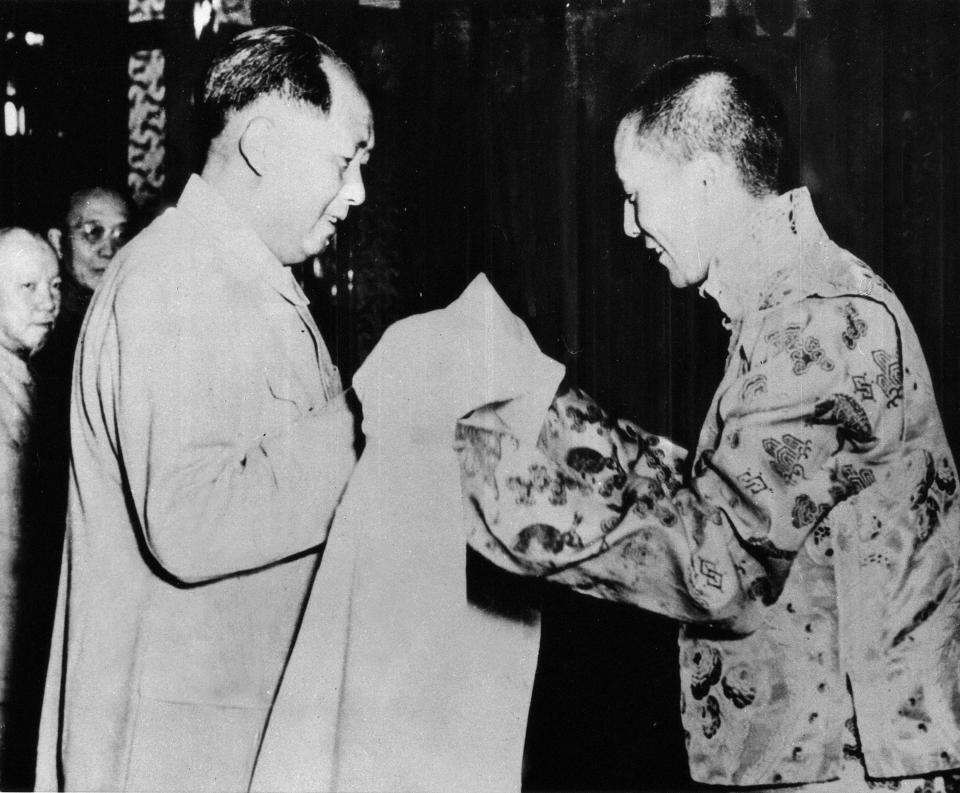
<point>340,78</point>
<point>709,87</point>
<point>339,72</point>
<point>703,104</point>
<point>650,141</point>
<point>80,197</point>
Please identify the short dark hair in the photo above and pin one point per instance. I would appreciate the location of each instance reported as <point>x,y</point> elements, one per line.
<point>277,60</point>
<point>700,103</point>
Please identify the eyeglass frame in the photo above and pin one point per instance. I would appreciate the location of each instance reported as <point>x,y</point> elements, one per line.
<point>118,233</point>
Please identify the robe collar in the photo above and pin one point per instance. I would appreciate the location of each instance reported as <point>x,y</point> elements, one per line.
<point>768,263</point>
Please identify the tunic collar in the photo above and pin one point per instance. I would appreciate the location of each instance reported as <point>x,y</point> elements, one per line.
<point>14,369</point>
<point>16,404</point>
<point>769,263</point>
<point>248,254</point>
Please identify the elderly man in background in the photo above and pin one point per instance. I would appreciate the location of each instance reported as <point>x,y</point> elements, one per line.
<point>211,440</point>
<point>811,548</point>
<point>94,227</point>
<point>89,235</point>
<point>29,301</point>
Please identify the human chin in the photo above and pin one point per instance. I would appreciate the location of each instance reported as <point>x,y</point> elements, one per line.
<point>679,275</point>
<point>673,270</point>
<point>319,237</point>
<point>88,275</point>
<point>28,340</point>
<point>36,340</point>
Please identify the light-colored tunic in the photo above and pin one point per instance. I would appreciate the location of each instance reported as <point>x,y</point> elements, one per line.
<point>209,450</point>
<point>16,409</point>
<point>404,676</point>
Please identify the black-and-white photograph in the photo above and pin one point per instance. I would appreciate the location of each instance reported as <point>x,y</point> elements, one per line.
<point>480,396</point>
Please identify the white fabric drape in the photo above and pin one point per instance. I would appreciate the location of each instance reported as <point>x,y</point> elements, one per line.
<point>397,681</point>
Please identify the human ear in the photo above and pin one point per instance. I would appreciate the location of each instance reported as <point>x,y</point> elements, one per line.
<point>711,173</point>
<point>707,167</point>
<point>257,144</point>
<point>55,238</point>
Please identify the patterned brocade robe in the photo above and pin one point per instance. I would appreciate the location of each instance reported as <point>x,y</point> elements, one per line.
<point>812,550</point>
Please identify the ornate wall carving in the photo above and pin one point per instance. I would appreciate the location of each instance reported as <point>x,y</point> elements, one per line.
<point>147,122</point>
<point>147,117</point>
<point>145,10</point>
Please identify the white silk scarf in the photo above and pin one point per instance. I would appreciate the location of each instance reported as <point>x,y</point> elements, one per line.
<point>397,681</point>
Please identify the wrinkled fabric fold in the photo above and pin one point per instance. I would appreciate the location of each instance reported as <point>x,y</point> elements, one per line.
<point>399,680</point>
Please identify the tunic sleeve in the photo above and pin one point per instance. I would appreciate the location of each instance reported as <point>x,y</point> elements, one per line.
<point>217,489</point>
<point>10,543</point>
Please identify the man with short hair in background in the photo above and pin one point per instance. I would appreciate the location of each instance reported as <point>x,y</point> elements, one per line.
<point>29,301</point>
<point>93,229</point>
<point>810,546</point>
<point>211,440</point>
<point>86,239</point>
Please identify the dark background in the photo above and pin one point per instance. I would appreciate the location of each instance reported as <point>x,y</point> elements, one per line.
<point>494,125</point>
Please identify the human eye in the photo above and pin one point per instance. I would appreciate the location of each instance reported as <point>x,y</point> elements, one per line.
<point>92,232</point>
<point>28,285</point>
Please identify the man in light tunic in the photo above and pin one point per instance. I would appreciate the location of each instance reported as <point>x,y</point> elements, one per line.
<point>29,302</point>
<point>211,441</point>
<point>810,545</point>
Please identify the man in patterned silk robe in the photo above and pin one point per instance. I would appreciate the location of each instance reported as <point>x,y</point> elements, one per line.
<point>811,548</point>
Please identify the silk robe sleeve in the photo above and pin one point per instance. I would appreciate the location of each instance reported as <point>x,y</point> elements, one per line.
<point>602,506</point>
<point>212,496</point>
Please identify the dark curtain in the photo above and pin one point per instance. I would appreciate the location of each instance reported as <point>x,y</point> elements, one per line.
<point>495,123</point>
<point>494,153</point>
<point>75,102</point>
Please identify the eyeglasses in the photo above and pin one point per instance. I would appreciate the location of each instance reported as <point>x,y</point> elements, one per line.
<point>94,232</point>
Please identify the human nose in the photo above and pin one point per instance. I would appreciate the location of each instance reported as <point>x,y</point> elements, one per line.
<point>47,298</point>
<point>630,226</point>
<point>110,245</point>
<point>354,191</point>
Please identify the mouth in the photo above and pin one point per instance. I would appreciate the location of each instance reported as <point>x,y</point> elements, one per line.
<point>322,232</point>
<point>659,251</point>
<point>652,245</point>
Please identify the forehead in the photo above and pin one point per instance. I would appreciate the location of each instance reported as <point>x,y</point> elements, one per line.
<point>100,206</point>
<point>22,254</point>
<point>644,160</point>
<point>349,109</point>
<point>346,130</point>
